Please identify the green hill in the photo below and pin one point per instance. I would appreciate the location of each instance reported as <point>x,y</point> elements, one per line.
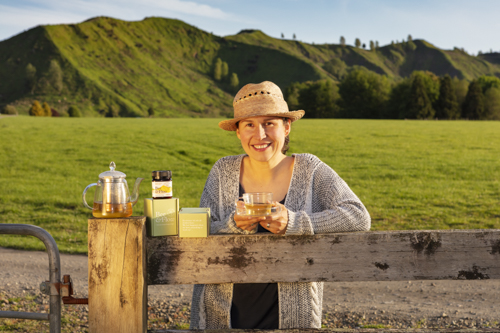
<point>109,66</point>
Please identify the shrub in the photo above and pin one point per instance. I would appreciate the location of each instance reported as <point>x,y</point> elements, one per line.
<point>74,112</point>
<point>47,112</point>
<point>36,110</point>
<point>9,109</point>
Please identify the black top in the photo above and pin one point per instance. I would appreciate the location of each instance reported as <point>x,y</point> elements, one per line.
<point>255,305</point>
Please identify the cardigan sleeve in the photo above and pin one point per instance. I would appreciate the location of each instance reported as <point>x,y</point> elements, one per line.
<point>333,206</point>
<point>212,197</point>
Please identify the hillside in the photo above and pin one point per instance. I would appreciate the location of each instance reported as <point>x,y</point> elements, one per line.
<point>110,66</point>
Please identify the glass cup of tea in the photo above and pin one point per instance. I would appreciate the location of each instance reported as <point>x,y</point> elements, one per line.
<point>257,204</point>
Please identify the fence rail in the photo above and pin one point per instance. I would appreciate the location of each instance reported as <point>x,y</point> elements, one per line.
<point>356,256</point>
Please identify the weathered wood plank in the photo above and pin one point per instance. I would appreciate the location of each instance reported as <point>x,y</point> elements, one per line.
<point>360,256</point>
<point>338,330</point>
<point>117,275</point>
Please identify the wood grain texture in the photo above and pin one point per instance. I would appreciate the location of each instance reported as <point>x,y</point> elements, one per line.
<point>359,256</point>
<point>117,275</point>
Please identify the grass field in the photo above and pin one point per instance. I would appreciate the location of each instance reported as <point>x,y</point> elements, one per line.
<point>409,174</point>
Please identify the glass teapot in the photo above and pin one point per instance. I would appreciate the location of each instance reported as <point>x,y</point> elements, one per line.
<point>112,198</point>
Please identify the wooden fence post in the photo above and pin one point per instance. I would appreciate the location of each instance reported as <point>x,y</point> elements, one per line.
<point>117,275</point>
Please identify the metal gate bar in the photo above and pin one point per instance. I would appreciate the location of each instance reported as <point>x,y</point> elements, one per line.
<point>54,317</point>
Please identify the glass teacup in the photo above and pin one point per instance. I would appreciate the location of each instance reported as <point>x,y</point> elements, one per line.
<point>257,204</point>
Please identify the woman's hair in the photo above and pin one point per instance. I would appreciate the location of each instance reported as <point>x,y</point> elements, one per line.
<point>285,147</point>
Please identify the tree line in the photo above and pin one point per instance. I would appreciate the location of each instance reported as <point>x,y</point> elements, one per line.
<point>423,95</point>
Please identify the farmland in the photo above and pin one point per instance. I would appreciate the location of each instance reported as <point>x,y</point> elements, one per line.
<point>409,174</point>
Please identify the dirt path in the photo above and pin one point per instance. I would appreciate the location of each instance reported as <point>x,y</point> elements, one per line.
<point>22,271</point>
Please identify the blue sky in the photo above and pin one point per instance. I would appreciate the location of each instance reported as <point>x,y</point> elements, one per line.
<point>472,25</point>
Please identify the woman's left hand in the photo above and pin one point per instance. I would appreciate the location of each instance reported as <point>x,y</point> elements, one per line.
<point>277,222</point>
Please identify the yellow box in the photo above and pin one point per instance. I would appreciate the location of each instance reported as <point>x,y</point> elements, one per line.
<point>194,222</point>
<point>162,216</point>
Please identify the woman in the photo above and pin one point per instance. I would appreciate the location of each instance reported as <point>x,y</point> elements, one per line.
<point>312,197</point>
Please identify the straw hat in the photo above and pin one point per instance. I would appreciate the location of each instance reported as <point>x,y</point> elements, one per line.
<point>262,99</point>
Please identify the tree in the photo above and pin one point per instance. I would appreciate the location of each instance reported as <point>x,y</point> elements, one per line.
<point>460,87</point>
<point>47,112</point>
<point>36,110</point>
<point>488,82</point>
<point>294,37</point>
<point>357,42</point>
<point>492,104</point>
<point>74,112</point>
<point>319,98</point>
<point>30,72</point>
<point>113,111</point>
<point>218,69</point>
<point>410,39</point>
<point>342,41</point>
<point>398,100</point>
<point>151,111</point>
<point>282,35</point>
<point>224,70</point>
<point>55,76</point>
<point>372,46</point>
<point>419,104</point>
<point>376,44</point>
<point>291,94</point>
<point>473,107</point>
<point>9,109</point>
<point>363,94</point>
<point>447,105</point>
<point>336,67</point>
<point>234,82</point>
<point>431,84</point>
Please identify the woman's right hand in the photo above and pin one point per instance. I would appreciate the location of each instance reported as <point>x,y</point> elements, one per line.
<point>246,222</point>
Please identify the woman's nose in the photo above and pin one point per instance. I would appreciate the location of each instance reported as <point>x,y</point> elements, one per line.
<point>261,132</point>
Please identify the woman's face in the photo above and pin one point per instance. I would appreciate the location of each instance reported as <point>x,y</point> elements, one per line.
<point>262,138</point>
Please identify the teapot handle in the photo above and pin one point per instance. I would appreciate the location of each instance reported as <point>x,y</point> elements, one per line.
<point>83,195</point>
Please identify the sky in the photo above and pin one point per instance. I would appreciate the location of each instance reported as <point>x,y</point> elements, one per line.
<point>472,25</point>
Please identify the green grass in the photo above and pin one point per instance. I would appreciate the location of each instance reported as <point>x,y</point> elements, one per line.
<point>409,174</point>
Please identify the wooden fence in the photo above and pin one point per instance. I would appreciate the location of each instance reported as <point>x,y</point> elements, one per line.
<point>123,261</point>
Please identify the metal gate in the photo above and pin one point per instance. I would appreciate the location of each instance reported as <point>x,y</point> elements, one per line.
<point>54,284</point>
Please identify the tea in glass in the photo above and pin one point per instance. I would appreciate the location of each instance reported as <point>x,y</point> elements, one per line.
<point>258,204</point>
<point>258,208</point>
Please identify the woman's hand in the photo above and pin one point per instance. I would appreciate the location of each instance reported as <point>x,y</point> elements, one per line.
<point>277,222</point>
<point>246,222</point>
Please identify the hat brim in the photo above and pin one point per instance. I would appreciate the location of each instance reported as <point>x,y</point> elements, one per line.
<point>230,124</point>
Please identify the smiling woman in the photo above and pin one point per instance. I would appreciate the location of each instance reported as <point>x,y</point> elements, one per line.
<point>310,198</point>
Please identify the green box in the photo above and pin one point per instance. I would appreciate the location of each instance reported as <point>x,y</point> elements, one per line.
<point>162,216</point>
<point>194,222</point>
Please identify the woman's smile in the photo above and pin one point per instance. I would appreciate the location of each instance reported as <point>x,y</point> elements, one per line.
<point>261,147</point>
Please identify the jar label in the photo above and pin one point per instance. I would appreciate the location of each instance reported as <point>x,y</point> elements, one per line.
<point>162,189</point>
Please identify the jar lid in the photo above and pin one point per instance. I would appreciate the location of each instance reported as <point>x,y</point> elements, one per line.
<point>112,173</point>
<point>161,175</point>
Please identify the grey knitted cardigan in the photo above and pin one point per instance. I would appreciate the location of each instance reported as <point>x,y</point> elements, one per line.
<point>318,201</point>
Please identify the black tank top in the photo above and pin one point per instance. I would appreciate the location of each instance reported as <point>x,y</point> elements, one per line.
<point>255,305</point>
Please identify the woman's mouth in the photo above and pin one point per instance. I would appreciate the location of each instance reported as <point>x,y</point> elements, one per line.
<point>261,147</point>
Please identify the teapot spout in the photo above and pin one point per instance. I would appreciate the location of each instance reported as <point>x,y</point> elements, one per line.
<point>135,193</point>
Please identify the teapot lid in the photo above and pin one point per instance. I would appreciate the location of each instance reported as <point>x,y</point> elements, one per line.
<point>112,173</point>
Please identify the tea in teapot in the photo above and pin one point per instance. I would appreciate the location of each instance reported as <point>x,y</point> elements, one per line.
<point>112,198</point>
